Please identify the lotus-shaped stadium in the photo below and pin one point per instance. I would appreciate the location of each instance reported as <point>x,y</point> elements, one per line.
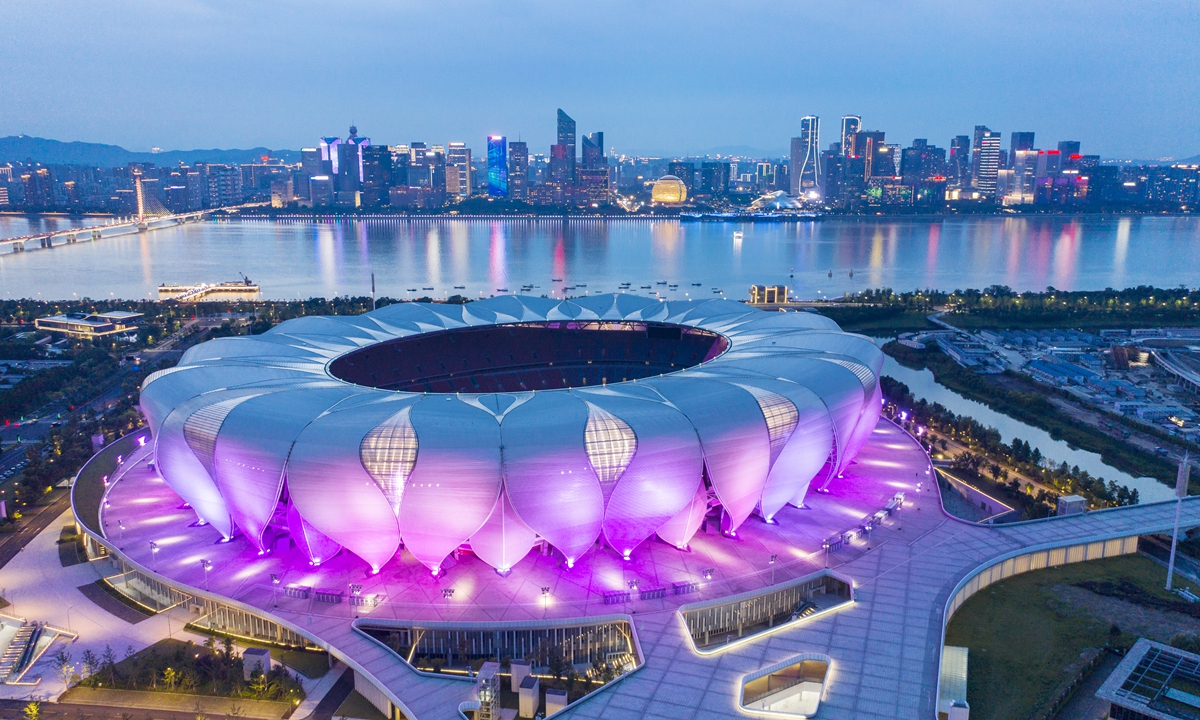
<point>501,424</point>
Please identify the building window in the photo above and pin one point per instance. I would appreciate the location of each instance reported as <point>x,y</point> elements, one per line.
<point>389,453</point>
<point>610,444</point>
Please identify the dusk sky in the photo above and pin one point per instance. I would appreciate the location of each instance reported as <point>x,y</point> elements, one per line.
<point>657,76</point>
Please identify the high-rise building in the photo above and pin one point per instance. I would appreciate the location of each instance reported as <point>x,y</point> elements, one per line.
<point>977,156</point>
<point>921,162</point>
<point>329,158</point>
<point>683,170</point>
<point>561,164</point>
<point>518,170</point>
<point>310,166</point>
<point>850,125</point>
<point>1016,142</point>
<point>986,167</point>
<point>419,174</point>
<point>804,170</point>
<point>458,155</point>
<point>959,169</point>
<point>497,156</point>
<point>876,156</point>
<point>593,151</point>
<point>348,176</point>
<point>566,138</point>
<point>376,174</point>
<point>714,178</point>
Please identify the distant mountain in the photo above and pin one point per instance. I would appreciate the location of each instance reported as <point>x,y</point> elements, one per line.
<point>22,148</point>
<point>1193,160</point>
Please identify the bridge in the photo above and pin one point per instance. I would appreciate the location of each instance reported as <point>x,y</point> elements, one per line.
<point>151,215</point>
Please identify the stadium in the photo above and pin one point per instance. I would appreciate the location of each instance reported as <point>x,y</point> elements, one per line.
<point>491,428</point>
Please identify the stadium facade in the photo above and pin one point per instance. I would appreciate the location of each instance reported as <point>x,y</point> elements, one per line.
<point>509,423</point>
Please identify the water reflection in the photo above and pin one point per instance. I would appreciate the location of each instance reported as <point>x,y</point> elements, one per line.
<point>304,259</point>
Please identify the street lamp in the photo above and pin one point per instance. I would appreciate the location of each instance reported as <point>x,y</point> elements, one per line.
<point>274,589</point>
<point>121,530</point>
<point>355,594</point>
<point>545,601</point>
<point>154,555</point>
<point>207,565</point>
<point>447,593</point>
<point>771,562</point>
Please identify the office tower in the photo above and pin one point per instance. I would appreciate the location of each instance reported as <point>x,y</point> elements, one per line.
<point>960,161</point>
<point>593,151</point>
<point>1023,184</point>
<point>804,170</point>
<point>39,188</point>
<point>977,167</point>
<point>561,164</point>
<point>1068,147</point>
<point>834,166</point>
<point>868,146</point>
<point>518,170</point>
<point>310,166</point>
<point>329,158</point>
<point>348,176</point>
<point>1018,141</point>
<point>986,167</point>
<point>781,177</point>
<point>497,156</point>
<point>714,178</point>
<point>685,171</point>
<point>458,155</point>
<point>566,138</point>
<point>401,159</point>
<point>418,165</point>
<point>376,174</point>
<point>922,161</point>
<point>850,125</point>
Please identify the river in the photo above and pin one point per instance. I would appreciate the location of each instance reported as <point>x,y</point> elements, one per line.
<point>301,259</point>
<point>922,385</point>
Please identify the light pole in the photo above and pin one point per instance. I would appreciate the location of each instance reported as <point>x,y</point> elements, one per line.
<point>545,601</point>
<point>355,594</point>
<point>771,562</point>
<point>121,530</point>
<point>154,555</point>
<point>1181,488</point>
<point>274,589</point>
<point>447,593</point>
<point>207,565</point>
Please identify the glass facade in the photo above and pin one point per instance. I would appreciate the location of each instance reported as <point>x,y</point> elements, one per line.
<point>497,154</point>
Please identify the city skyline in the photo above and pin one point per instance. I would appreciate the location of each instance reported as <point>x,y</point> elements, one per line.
<point>1063,75</point>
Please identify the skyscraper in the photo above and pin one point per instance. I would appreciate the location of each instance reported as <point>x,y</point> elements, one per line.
<point>458,155</point>
<point>683,170</point>
<point>850,125</point>
<point>566,138</point>
<point>518,170</point>
<point>497,155</point>
<point>348,174</point>
<point>1016,142</point>
<point>960,161</point>
<point>714,178</point>
<point>593,151</point>
<point>986,167</point>
<point>805,167</point>
<point>981,132</point>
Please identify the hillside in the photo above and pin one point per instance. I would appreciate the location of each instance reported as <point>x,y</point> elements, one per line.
<point>23,148</point>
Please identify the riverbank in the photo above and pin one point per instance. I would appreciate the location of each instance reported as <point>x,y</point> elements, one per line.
<point>1021,399</point>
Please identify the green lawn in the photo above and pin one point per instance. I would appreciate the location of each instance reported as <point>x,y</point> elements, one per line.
<point>1021,637</point>
<point>310,663</point>
<point>357,706</point>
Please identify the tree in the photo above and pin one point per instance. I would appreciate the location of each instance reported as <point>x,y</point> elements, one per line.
<point>89,663</point>
<point>109,663</point>
<point>170,677</point>
<point>32,711</point>
<point>61,664</point>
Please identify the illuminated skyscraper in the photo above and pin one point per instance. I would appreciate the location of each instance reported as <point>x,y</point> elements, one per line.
<point>593,151</point>
<point>1017,142</point>
<point>850,125</point>
<point>986,165</point>
<point>497,155</point>
<point>566,138</point>
<point>805,168</point>
<point>458,155</point>
<point>518,170</point>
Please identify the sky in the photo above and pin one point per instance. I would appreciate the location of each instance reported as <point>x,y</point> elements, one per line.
<point>663,77</point>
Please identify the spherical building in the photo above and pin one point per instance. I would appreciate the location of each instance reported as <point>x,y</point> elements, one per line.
<point>669,190</point>
<point>505,423</point>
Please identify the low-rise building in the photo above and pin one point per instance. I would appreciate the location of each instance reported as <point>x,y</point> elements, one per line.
<point>90,325</point>
<point>1154,682</point>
